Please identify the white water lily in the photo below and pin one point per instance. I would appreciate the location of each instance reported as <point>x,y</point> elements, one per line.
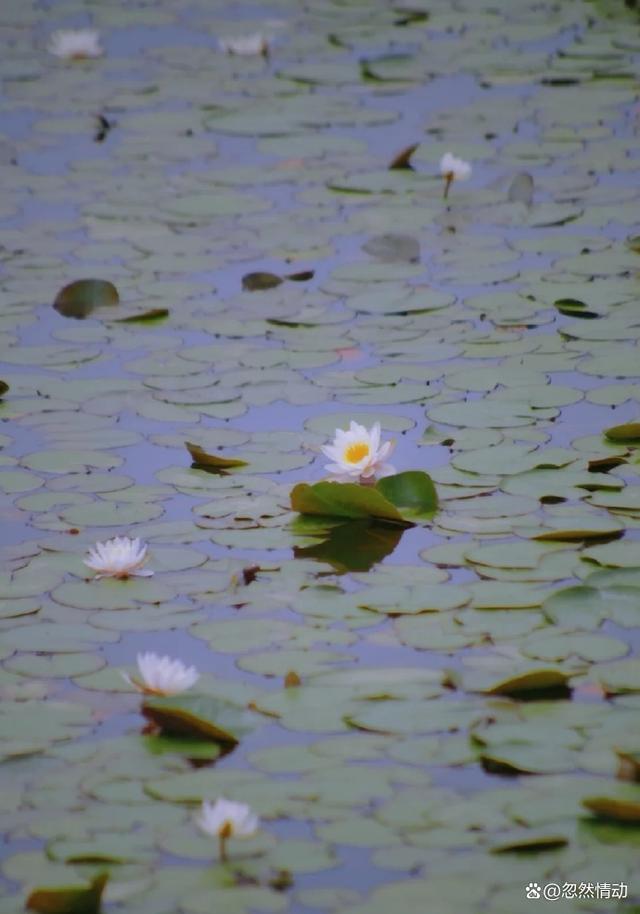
<point>358,455</point>
<point>245,45</point>
<point>120,557</point>
<point>75,44</point>
<point>162,675</point>
<point>453,169</point>
<point>225,819</point>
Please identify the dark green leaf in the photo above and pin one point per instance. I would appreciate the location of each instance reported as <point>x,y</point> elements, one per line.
<point>211,462</point>
<point>200,716</point>
<point>68,899</point>
<point>80,298</point>
<point>630,431</point>
<point>259,281</point>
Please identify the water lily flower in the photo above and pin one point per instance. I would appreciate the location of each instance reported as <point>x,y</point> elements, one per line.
<point>120,557</point>
<point>225,819</point>
<point>453,169</point>
<point>358,455</point>
<point>75,44</point>
<point>246,45</point>
<point>162,675</point>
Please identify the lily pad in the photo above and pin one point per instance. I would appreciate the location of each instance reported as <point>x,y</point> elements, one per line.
<point>211,462</point>
<point>619,809</point>
<point>198,716</point>
<point>69,899</point>
<point>80,298</point>
<point>406,498</point>
<point>629,431</point>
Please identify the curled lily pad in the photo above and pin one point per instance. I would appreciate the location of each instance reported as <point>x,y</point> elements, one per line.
<point>80,298</point>
<point>69,899</point>
<point>530,843</point>
<point>403,158</point>
<point>211,462</point>
<point>405,498</point>
<point>257,282</point>
<point>198,716</point>
<point>630,431</point>
<point>620,809</point>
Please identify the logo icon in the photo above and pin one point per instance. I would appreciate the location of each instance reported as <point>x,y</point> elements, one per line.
<point>532,890</point>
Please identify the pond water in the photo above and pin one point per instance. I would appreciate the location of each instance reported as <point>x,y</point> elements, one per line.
<point>413,703</point>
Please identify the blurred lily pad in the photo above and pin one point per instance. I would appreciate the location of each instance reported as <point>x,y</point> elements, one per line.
<point>69,899</point>
<point>80,298</point>
<point>405,498</point>
<point>199,716</point>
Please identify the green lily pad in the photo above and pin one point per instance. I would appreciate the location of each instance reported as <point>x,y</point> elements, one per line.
<point>618,809</point>
<point>629,431</point>
<point>198,716</point>
<point>80,298</point>
<point>529,843</point>
<point>69,899</point>
<point>406,498</point>
<point>211,462</point>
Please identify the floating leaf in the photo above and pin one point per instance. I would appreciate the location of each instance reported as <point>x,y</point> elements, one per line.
<point>197,716</point>
<point>529,843</point>
<point>572,307</point>
<point>630,431</point>
<point>4,387</point>
<point>202,460</point>
<point>80,298</point>
<point>412,492</point>
<point>259,281</point>
<point>301,276</point>
<point>618,809</point>
<point>404,498</point>
<point>69,899</point>
<point>152,314</point>
<point>534,680</point>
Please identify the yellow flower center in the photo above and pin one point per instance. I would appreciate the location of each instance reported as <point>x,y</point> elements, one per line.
<point>355,452</point>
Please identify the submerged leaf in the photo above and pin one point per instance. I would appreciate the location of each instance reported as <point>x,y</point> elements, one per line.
<point>80,298</point>
<point>68,899</point>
